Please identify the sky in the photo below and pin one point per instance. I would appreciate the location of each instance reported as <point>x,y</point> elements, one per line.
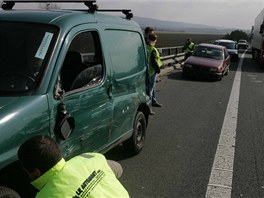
<point>237,14</point>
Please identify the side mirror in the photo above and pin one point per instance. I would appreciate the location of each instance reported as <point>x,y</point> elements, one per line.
<point>65,123</point>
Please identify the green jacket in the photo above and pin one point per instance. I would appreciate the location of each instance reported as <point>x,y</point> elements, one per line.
<point>87,175</point>
<point>158,61</point>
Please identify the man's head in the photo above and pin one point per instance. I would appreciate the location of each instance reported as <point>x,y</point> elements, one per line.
<point>38,154</point>
<point>152,38</point>
<point>148,30</point>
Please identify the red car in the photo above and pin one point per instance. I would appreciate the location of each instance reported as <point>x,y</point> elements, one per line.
<point>207,60</point>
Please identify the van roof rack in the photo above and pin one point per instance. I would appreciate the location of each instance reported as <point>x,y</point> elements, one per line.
<point>92,7</point>
<point>9,4</point>
<point>128,13</point>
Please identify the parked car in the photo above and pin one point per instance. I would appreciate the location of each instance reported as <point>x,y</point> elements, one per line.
<point>207,60</point>
<point>242,44</point>
<point>79,77</point>
<point>231,47</point>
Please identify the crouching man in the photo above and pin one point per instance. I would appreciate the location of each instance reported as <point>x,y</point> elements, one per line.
<point>86,175</point>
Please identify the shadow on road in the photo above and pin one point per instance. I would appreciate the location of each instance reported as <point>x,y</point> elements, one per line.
<point>117,153</point>
<point>250,65</point>
<point>175,75</point>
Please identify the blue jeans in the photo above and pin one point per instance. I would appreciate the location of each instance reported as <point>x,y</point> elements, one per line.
<point>152,84</point>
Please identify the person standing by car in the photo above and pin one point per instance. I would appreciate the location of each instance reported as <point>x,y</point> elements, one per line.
<point>188,48</point>
<point>154,67</point>
<point>147,32</point>
<point>86,175</point>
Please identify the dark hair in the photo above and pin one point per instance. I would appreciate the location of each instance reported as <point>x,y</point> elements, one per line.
<point>39,152</point>
<point>152,37</point>
<point>148,30</point>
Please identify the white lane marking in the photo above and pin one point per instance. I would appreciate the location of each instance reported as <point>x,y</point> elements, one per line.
<point>220,182</point>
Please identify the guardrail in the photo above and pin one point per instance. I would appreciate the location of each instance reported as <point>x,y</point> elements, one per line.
<point>171,55</point>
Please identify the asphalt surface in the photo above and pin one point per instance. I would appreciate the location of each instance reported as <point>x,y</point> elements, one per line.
<point>183,137</point>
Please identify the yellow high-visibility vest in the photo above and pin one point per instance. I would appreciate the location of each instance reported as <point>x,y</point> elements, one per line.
<point>150,48</point>
<point>87,175</point>
<point>189,47</point>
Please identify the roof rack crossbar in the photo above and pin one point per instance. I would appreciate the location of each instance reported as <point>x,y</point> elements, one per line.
<point>9,4</point>
<point>50,1</point>
<point>128,13</point>
<point>92,7</point>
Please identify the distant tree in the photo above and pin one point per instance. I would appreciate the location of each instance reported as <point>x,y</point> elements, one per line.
<point>236,35</point>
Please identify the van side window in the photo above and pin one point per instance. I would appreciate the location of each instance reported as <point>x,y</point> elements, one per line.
<point>128,56</point>
<point>83,65</point>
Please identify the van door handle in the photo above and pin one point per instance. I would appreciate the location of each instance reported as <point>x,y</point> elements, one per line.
<point>109,91</point>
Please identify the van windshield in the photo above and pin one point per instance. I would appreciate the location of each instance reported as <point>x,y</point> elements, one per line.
<point>24,52</point>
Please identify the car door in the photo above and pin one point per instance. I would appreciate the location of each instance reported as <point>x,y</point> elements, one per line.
<point>83,86</point>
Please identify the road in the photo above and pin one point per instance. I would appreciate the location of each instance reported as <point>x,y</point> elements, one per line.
<point>180,153</point>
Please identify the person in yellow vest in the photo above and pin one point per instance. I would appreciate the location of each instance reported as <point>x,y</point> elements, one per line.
<point>86,175</point>
<point>188,48</point>
<point>155,63</point>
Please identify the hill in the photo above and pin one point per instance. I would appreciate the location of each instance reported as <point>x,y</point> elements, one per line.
<point>174,26</point>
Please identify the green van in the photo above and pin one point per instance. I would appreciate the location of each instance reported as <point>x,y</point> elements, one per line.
<point>77,76</point>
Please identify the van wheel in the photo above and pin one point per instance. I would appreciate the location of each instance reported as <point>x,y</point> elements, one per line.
<point>136,142</point>
<point>8,193</point>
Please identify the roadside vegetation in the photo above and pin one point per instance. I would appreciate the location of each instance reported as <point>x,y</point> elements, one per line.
<point>237,35</point>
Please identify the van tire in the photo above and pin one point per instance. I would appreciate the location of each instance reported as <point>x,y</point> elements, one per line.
<point>136,142</point>
<point>8,193</point>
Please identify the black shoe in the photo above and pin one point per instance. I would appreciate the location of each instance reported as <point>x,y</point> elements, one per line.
<point>156,104</point>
